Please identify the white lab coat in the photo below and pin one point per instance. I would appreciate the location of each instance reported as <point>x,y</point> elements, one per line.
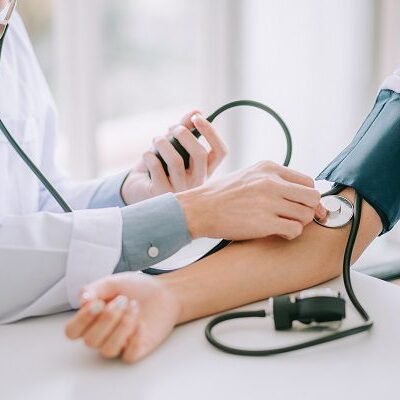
<point>45,256</point>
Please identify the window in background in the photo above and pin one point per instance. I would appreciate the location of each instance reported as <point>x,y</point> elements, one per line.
<point>125,72</point>
<point>122,72</point>
<point>151,73</point>
<point>37,15</point>
<point>150,58</point>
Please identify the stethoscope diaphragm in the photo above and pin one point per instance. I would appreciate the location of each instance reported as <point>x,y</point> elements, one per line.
<point>340,211</point>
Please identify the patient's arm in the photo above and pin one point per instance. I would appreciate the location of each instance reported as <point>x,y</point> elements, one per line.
<point>248,271</point>
<point>242,273</point>
<point>253,270</point>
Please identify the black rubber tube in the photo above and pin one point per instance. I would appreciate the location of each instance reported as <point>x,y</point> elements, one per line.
<point>368,323</point>
<point>31,165</point>
<point>239,103</point>
<point>186,157</point>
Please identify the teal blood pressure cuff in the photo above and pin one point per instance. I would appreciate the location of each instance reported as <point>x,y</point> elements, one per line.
<point>371,163</point>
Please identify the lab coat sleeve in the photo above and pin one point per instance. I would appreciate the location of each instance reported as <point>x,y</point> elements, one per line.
<point>99,193</point>
<point>46,258</point>
<point>108,193</point>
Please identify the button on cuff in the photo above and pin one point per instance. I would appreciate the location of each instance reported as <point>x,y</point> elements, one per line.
<point>153,230</point>
<point>153,252</point>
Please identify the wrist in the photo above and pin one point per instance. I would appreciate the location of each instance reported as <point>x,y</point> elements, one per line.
<point>170,294</point>
<point>177,292</point>
<point>191,202</point>
<point>135,187</point>
<point>122,190</point>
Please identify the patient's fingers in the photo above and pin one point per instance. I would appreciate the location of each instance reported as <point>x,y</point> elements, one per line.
<point>106,322</point>
<point>86,297</point>
<point>106,288</point>
<point>78,324</point>
<point>288,229</point>
<point>113,345</point>
<point>301,194</point>
<point>295,177</point>
<point>136,348</point>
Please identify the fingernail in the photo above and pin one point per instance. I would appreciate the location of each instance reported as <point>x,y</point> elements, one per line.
<point>133,306</point>
<point>96,307</point>
<point>195,118</point>
<point>86,296</point>
<point>119,303</point>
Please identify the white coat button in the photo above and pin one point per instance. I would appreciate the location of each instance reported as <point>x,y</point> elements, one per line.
<point>153,252</point>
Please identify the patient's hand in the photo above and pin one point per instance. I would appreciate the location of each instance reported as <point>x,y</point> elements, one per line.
<point>139,186</point>
<point>126,315</point>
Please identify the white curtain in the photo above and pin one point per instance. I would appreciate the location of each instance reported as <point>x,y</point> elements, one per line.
<point>388,37</point>
<point>319,63</point>
<point>313,61</point>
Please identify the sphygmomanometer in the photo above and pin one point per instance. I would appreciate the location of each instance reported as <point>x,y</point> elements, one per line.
<point>370,165</point>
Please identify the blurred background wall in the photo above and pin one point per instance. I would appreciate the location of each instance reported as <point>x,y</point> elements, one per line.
<point>123,71</point>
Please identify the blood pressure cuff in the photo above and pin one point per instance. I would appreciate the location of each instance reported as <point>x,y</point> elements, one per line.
<point>371,163</point>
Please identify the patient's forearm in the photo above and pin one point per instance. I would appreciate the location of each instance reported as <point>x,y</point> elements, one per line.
<point>245,272</point>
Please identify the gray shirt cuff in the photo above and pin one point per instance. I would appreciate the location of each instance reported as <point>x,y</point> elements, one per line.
<point>152,231</point>
<point>108,194</point>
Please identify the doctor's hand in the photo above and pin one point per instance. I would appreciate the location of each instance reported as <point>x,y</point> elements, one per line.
<point>126,315</point>
<point>139,186</point>
<point>266,199</point>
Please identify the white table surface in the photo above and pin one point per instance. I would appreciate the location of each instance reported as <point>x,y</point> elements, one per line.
<point>37,362</point>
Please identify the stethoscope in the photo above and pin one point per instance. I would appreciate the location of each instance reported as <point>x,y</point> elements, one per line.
<point>322,308</point>
<point>315,307</point>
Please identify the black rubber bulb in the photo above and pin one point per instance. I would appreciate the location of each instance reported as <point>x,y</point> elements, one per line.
<point>181,150</point>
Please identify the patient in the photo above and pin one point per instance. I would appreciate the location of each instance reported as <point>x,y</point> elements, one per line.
<point>129,315</point>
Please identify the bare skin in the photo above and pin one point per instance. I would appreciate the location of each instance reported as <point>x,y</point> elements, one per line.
<point>254,270</point>
<point>138,186</point>
<point>130,315</point>
<point>273,200</point>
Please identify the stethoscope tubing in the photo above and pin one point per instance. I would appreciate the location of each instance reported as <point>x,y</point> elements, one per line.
<point>32,166</point>
<point>261,313</point>
<point>268,110</point>
<point>196,133</point>
<point>367,325</point>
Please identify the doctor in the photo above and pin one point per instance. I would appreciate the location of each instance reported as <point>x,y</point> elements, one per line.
<point>121,223</point>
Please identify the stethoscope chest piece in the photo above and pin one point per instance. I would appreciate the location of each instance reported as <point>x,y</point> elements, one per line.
<point>340,211</point>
